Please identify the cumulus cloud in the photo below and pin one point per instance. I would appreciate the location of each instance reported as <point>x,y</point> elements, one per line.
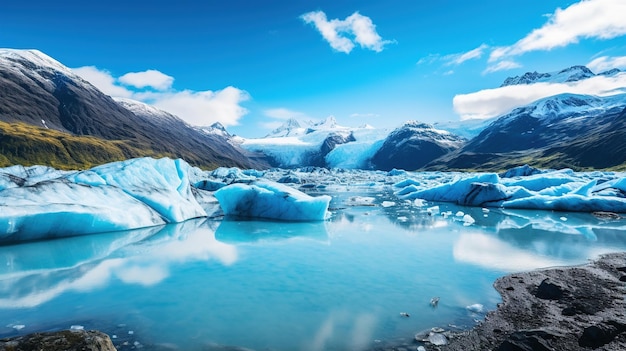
<point>150,78</point>
<point>343,35</point>
<point>203,108</point>
<point>490,103</point>
<point>599,19</point>
<point>605,63</point>
<point>200,108</point>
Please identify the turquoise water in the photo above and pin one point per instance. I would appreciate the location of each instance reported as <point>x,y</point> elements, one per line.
<point>262,285</point>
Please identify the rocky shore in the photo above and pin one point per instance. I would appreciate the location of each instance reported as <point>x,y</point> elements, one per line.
<point>568,308</point>
<point>65,340</point>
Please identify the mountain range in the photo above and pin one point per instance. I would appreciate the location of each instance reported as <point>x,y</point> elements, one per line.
<point>49,115</point>
<point>65,119</point>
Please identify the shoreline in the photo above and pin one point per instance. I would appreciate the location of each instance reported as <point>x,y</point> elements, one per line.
<point>559,308</point>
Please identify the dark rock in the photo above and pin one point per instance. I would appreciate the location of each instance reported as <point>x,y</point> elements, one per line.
<point>622,278</point>
<point>600,334</point>
<point>66,340</point>
<point>621,269</point>
<point>606,215</point>
<point>549,291</point>
<point>529,340</point>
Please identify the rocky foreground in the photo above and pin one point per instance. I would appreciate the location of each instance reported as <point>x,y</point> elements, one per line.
<point>572,308</point>
<point>66,340</point>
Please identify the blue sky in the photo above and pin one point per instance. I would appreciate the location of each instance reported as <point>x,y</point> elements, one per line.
<point>252,64</point>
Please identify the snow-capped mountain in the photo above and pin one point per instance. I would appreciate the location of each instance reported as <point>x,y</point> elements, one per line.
<point>307,143</point>
<point>571,74</point>
<point>536,131</point>
<point>328,144</point>
<point>413,145</point>
<point>38,90</point>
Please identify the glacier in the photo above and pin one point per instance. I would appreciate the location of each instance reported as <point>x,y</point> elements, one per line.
<point>41,202</point>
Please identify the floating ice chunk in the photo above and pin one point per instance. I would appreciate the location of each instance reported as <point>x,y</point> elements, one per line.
<point>460,214</point>
<point>361,201</point>
<point>388,204</point>
<point>437,339</point>
<point>77,327</point>
<point>271,200</point>
<point>573,203</point>
<point>419,203</point>
<point>476,308</point>
<point>17,326</point>
<point>468,220</point>
<point>485,210</point>
<point>454,191</point>
<point>433,210</point>
<point>482,193</point>
<point>407,182</point>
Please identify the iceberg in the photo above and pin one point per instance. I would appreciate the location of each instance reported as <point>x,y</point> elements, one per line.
<point>271,200</point>
<point>563,190</point>
<point>43,203</point>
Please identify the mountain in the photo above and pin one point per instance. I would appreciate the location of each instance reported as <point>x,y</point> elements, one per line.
<point>298,144</point>
<point>571,74</point>
<point>39,91</point>
<point>413,145</point>
<point>552,132</point>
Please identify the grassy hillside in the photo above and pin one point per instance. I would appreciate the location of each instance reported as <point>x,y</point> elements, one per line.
<point>27,145</point>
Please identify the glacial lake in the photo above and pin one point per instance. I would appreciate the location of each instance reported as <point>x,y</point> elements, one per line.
<point>342,284</point>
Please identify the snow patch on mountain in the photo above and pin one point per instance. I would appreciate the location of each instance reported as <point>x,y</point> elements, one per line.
<point>571,74</point>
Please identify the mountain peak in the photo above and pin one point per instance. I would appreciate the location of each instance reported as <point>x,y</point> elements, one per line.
<point>35,57</point>
<point>570,74</point>
<point>291,127</point>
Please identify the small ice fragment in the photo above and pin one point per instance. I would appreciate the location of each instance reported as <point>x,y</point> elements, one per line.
<point>403,218</point>
<point>388,203</point>
<point>419,202</point>
<point>476,308</point>
<point>437,339</point>
<point>437,330</point>
<point>563,219</point>
<point>468,220</point>
<point>434,301</point>
<point>433,210</point>
<point>485,210</point>
<point>130,332</point>
<point>77,327</point>
<point>18,326</point>
<point>460,214</point>
<point>421,348</point>
<point>485,215</point>
<point>404,314</point>
<point>113,336</point>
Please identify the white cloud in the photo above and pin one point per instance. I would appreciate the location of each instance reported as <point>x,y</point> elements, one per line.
<point>102,80</point>
<point>342,35</point>
<point>600,19</point>
<point>501,66</point>
<point>199,108</point>
<point>605,63</point>
<point>150,78</point>
<point>490,103</point>
<point>283,113</point>
<point>203,108</point>
<point>457,59</point>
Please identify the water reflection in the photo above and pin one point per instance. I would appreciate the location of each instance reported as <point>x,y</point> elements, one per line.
<point>38,272</point>
<point>252,231</point>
